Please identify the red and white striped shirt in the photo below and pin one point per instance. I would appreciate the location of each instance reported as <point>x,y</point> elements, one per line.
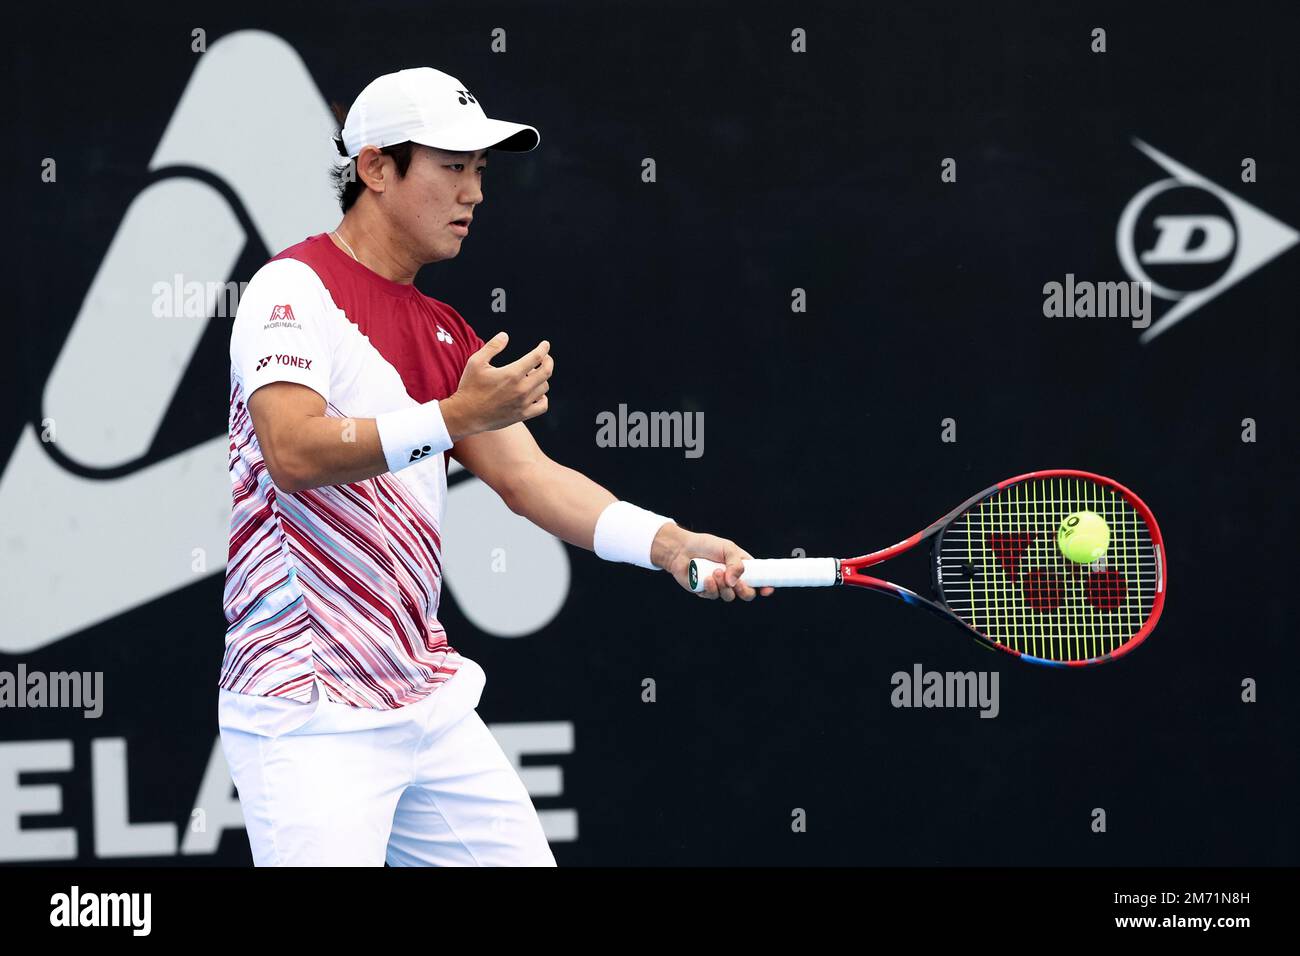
<point>342,582</point>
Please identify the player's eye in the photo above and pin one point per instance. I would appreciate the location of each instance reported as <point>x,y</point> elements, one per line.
<point>456,166</point>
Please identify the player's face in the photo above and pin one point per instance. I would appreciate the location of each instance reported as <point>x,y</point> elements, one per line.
<point>439,188</point>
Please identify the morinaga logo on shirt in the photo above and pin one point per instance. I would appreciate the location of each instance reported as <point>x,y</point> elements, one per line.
<point>281,318</point>
<point>296,361</point>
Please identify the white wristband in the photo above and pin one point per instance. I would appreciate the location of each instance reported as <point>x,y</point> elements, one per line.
<point>412,434</point>
<point>625,532</point>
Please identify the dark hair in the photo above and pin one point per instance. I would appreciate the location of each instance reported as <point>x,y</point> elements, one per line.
<point>346,182</point>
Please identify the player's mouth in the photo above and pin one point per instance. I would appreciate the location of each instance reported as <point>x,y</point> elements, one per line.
<point>461,226</point>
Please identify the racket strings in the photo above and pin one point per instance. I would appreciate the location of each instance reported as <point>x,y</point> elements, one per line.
<point>1003,573</point>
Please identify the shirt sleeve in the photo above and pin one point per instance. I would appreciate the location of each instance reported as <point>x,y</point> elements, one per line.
<point>281,329</point>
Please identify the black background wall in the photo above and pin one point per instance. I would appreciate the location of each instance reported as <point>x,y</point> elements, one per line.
<point>776,170</point>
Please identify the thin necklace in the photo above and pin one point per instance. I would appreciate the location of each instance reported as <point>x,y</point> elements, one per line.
<point>345,242</point>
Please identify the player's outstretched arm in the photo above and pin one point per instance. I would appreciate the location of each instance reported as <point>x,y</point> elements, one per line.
<point>568,504</point>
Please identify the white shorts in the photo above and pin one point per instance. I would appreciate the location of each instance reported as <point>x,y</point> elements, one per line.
<point>325,784</point>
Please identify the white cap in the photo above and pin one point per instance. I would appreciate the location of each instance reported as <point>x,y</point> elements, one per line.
<point>428,107</point>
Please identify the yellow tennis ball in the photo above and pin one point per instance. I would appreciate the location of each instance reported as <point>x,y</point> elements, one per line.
<point>1083,536</point>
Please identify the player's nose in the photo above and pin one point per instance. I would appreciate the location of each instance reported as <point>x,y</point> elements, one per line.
<point>472,193</point>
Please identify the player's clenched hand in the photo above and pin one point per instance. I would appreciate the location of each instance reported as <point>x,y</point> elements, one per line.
<point>674,547</point>
<point>489,398</point>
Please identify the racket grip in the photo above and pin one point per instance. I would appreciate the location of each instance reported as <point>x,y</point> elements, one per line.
<point>772,572</point>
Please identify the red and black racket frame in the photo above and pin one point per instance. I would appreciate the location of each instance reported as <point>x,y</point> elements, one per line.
<point>850,570</point>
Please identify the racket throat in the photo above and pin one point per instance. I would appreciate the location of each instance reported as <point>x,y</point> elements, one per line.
<point>859,578</point>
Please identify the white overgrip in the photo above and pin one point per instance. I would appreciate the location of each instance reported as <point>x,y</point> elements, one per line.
<point>772,572</point>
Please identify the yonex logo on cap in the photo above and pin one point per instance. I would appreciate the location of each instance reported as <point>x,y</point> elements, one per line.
<point>428,107</point>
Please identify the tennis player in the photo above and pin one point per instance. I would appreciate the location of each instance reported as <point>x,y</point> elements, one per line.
<point>347,718</point>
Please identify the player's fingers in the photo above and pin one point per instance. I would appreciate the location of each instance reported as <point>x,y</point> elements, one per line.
<point>744,590</point>
<point>541,373</point>
<point>490,349</point>
<point>527,363</point>
<point>544,370</point>
<point>538,407</point>
<point>733,556</point>
<point>726,592</point>
<point>745,556</point>
<point>710,590</point>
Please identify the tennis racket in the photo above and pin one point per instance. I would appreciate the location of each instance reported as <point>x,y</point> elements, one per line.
<point>996,569</point>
